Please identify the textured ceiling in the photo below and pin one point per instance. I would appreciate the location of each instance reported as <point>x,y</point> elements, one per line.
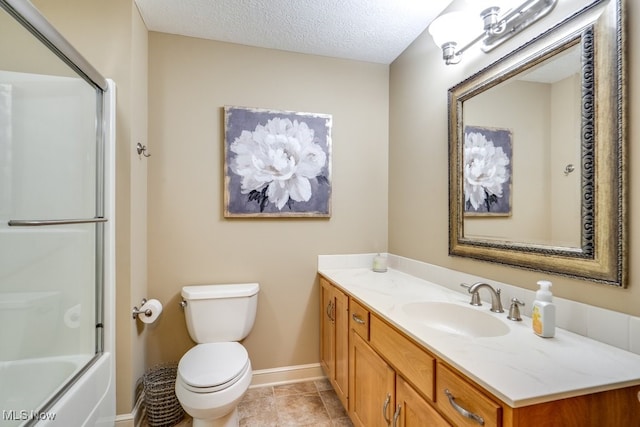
<point>365,30</point>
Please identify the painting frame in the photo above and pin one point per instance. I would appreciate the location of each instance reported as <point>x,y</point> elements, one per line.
<point>277,163</point>
<point>491,198</point>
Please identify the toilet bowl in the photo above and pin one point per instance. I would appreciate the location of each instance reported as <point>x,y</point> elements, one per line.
<point>214,375</point>
<point>212,378</point>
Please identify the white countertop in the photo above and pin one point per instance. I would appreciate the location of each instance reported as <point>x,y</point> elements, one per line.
<point>520,368</point>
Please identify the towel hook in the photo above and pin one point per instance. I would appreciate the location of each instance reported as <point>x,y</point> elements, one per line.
<point>568,169</point>
<point>142,150</point>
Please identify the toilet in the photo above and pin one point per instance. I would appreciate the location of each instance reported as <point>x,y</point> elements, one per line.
<point>215,374</point>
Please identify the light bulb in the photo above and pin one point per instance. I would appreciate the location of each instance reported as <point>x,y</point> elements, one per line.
<point>455,27</point>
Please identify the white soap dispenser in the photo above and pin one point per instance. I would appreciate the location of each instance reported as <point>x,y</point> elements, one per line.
<point>544,311</point>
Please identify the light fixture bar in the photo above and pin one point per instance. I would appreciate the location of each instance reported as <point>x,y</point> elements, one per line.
<point>497,27</point>
<point>455,56</point>
<point>517,20</point>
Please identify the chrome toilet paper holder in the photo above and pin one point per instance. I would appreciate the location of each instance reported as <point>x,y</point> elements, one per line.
<point>137,311</point>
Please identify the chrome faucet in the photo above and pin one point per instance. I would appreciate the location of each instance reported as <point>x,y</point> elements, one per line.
<point>496,304</point>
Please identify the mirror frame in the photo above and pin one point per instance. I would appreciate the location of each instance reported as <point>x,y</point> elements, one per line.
<point>600,31</point>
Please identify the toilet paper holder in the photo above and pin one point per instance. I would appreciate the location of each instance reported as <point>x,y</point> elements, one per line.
<point>137,311</point>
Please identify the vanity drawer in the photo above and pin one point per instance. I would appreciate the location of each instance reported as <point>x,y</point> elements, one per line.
<point>466,397</point>
<point>406,357</point>
<point>359,319</point>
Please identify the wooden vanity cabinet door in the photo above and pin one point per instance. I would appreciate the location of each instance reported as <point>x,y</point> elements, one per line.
<point>371,384</point>
<point>465,396</point>
<point>341,320</point>
<point>334,341</point>
<point>413,410</point>
<point>327,328</point>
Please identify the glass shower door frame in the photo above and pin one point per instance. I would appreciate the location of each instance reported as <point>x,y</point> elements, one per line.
<point>31,19</point>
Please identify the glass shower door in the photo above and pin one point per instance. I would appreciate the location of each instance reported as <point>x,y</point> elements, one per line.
<point>51,214</point>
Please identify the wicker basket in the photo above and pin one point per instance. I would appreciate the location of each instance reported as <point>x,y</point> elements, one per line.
<point>163,408</point>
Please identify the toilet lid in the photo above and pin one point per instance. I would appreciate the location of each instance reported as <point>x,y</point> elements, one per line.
<point>211,365</point>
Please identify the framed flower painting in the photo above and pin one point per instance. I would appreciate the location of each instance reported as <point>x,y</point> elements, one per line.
<point>487,166</point>
<point>277,163</point>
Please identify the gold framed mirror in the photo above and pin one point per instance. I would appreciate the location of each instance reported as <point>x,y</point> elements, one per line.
<point>537,153</point>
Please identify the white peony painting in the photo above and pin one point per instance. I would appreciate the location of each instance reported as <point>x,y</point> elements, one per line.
<point>277,163</point>
<point>487,171</point>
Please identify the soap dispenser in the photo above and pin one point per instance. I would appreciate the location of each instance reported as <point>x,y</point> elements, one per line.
<point>544,311</point>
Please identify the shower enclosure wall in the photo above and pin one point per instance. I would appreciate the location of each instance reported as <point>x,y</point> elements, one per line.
<point>56,228</point>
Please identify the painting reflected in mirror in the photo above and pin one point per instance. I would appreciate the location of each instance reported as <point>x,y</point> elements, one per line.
<point>487,156</point>
<point>518,137</point>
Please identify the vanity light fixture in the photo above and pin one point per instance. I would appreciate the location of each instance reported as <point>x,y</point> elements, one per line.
<point>492,23</point>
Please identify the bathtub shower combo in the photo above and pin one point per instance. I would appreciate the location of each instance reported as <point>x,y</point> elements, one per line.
<point>56,228</point>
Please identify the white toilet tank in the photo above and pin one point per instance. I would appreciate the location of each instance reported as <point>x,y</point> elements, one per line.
<point>220,313</point>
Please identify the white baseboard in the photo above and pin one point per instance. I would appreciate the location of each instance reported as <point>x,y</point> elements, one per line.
<point>134,419</point>
<point>124,420</point>
<point>287,374</point>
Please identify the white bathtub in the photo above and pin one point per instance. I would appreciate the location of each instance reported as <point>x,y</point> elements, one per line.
<point>28,384</point>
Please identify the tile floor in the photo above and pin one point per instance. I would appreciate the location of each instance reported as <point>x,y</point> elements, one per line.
<point>312,403</point>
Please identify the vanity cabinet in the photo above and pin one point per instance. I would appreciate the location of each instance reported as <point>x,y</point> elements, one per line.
<point>385,378</point>
<point>455,396</point>
<point>415,364</point>
<point>413,410</point>
<point>378,393</point>
<point>372,386</point>
<point>334,343</point>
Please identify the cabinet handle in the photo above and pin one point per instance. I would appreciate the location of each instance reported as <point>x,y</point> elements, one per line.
<point>385,407</point>
<point>461,410</point>
<point>357,319</point>
<point>331,311</point>
<point>396,416</point>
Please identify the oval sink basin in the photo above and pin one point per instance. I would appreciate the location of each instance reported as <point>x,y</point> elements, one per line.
<point>456,319</point>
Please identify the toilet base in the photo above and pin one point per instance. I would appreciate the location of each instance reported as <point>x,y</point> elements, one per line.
<point>232,419</point>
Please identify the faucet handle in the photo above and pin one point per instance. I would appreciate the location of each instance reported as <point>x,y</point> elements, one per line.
<point>514,310</point>
<point>475,296</point>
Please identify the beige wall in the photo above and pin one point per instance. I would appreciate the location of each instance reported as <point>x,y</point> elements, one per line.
<point>190,242</point>
<point>113,38</point>
<point>418,226</point>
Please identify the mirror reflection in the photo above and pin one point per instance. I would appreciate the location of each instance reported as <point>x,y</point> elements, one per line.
<point>522,155</point>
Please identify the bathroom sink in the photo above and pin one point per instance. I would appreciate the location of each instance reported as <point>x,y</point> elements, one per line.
<point>456,319</point>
